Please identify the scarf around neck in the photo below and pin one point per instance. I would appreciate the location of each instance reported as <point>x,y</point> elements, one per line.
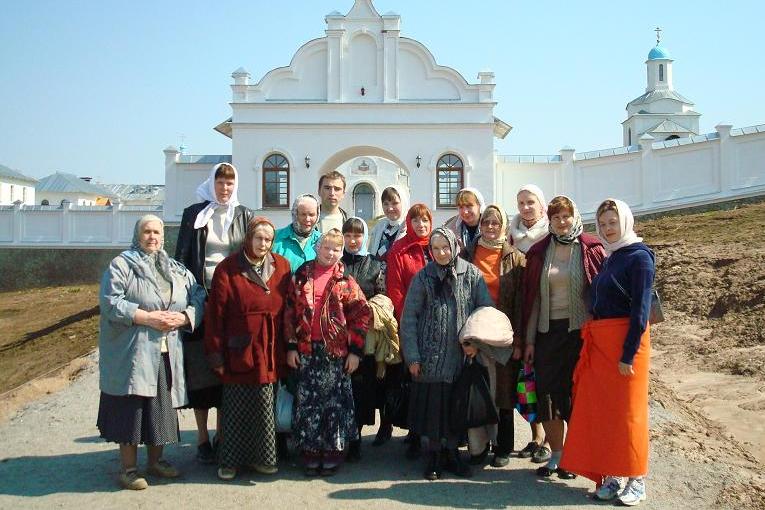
<point>576,228</point>
<point>524,237</point>
<point>206,193</point>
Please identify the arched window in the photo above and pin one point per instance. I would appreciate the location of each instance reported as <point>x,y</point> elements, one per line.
<point>672,137</point>
<point>276,181</point>
<point>661,72</point>
<point>449,179</point>
<point>45,202</point>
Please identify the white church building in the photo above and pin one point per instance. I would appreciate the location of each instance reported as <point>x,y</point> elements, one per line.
<point>379,108</point>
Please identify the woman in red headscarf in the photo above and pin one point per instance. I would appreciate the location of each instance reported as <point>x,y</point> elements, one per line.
<point>245,348</point>
<point>407,256</point>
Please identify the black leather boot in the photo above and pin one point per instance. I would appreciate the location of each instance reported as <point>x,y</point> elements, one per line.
<point>455,464</point>
<point>433,466</point>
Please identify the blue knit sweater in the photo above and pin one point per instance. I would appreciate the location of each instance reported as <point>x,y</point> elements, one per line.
<point>633,267</point>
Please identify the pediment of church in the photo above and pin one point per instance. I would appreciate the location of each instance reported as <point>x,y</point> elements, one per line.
<point>363,59</point>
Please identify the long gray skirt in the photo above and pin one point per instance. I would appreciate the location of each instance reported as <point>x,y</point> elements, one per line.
<point>132,419</point>
<point>248,425</point>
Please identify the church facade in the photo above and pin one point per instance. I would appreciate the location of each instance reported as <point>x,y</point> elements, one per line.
<point>378,108</point>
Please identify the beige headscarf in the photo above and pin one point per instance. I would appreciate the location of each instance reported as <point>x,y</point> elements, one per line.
<point>627,224</point>
<point>500,241</point>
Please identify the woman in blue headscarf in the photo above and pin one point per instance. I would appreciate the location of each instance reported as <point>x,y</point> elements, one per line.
<point>367,273</point>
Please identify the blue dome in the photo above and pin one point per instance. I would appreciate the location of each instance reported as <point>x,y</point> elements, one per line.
<point>658,53</point>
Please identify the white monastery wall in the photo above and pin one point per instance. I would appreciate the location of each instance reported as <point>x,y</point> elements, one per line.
<point>652,177</point>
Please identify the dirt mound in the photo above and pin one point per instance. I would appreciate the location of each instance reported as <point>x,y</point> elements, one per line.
<point>711,273</point>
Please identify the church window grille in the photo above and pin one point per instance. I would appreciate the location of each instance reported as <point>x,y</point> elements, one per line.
<point>276,181</point>
<point>450,174</point>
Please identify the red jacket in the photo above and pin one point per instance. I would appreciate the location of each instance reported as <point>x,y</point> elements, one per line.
<point>405,259</point>
<point>593,255</point>
<point>243,322</point>
<point>345,315</point>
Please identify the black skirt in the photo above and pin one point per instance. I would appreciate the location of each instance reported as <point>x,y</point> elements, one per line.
<point>248,425</point>
<point>429,410</point>
<point>555,357</point>
<point>132,419</point>
<point>365,391</point>
<point>203,387</point>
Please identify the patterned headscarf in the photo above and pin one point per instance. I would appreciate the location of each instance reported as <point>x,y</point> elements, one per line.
<point>627,224</point>
<point>448,271</point>
<point>500,241</point>
<point>206,192</point>
<point>576,228</point>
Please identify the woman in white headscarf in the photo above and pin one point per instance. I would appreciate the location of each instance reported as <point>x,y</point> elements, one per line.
<point>526,228</point>
<point>466,227</point>
<point>392,227</point>
<point>146,298</point>
<point>612,374</point>
<point>210,231</point>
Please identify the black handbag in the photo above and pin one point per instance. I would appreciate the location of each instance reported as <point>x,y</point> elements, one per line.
<point>472,404</point>
<point>656,314</point>
<point>396,408</point>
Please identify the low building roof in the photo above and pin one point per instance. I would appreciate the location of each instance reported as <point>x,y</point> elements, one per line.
<point>61,182</point>
<point>10,173</point>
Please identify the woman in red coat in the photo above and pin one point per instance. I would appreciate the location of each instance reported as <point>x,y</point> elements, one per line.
<point>407,256</point>
<point>244,346</point>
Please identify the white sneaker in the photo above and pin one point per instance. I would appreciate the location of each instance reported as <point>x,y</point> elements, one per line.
<point>609,490</point>
<point>633,493</point>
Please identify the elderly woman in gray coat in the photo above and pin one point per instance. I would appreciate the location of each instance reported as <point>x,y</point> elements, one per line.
<point>145,298</point>
<point>441,297</point>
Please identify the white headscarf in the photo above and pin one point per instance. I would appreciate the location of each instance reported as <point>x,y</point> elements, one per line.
<point>206,192</point>
<point>627,224</point>
<point>523,236</point>
<point>395,228</point>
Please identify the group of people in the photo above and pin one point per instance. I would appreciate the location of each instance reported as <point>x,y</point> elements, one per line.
<point>353,321</point>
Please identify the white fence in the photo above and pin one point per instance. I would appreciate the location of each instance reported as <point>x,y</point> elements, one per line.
<point>651,177</point>
<point>70,226</point>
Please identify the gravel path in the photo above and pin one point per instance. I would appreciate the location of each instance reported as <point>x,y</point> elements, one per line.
<point>51,457</point>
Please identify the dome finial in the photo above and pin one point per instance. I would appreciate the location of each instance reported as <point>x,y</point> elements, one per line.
<point>658,35</point>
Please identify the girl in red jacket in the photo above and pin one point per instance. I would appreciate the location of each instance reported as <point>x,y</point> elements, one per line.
<point>325,321</point>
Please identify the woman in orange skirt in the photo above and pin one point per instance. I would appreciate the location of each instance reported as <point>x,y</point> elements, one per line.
<point>611,378</point>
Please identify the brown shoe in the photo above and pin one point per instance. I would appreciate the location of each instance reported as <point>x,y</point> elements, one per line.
<point>264,469</point>
<point>131,480</point>
<point>163,469</point>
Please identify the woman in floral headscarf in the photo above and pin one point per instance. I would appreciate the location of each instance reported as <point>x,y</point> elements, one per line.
<point>559,271</point>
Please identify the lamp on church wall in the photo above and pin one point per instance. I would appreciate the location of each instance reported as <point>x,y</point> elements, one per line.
<point>308,161</point>
<point>419,159</point>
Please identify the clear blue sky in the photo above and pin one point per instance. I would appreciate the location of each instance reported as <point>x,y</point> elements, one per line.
<point>99,88</point>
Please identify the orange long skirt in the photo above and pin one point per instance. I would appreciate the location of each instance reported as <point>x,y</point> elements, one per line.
<point>608,430</point>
